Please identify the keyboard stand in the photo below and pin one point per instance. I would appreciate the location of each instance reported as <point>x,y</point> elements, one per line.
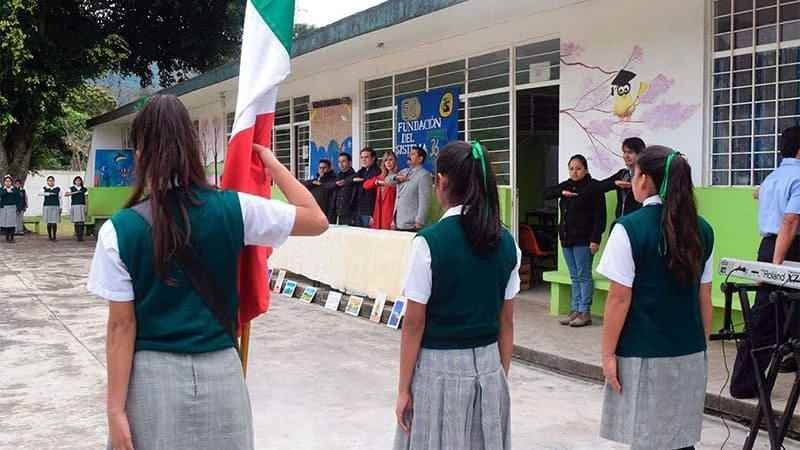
<point>777,427</point>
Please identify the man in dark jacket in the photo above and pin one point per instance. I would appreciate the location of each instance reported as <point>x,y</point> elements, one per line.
<point>365,199</point>
<point>321,190</point>
<point>343,196</point>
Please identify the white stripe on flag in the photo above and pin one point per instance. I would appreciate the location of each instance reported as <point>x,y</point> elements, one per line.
<point>265,63</point>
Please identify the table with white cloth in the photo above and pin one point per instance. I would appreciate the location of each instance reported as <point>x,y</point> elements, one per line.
<point>358,260</point>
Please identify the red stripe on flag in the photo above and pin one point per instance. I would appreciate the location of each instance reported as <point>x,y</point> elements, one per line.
<point>244,172</point>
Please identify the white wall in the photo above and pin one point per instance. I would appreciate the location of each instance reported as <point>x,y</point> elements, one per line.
<point>36,181</point>
<point>666,39</point>
<point>664,44</point>
<point>106,136</point>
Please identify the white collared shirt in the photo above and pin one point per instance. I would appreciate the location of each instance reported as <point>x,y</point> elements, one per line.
<point>617,263</point>
<point>267,223</point>
<point>419,277</point>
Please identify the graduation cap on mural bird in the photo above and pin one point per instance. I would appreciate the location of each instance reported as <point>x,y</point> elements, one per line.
<point>621,84</point>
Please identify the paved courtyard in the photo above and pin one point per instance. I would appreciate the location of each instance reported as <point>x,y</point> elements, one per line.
<point>318,379</point>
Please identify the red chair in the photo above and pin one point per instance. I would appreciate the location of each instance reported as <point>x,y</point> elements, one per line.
<point>541,260</point>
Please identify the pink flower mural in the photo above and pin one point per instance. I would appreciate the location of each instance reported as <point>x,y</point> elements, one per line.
<point>615,103</point>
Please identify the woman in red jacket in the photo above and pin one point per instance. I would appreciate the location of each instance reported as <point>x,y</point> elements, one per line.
<point>387,192</point>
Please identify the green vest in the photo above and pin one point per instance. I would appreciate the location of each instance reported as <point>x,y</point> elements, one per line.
<point>52,200</point>
<point>468,290</point>
<point>175,318</point>
<point>664,319</point>
<point>79,197</point>
<point>9,198</point>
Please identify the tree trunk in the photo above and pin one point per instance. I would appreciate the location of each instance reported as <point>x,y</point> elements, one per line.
<point>16,150</point>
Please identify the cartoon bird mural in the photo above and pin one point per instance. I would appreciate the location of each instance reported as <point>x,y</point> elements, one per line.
<point>625,103</point>
<point>120,158</point>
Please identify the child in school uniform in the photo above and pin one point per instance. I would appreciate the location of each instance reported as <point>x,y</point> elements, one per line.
<point>21,207</point>
<point>77,211</point>
<point>458,330</point>
<point>51,211</point>
<point>9,199</point>
<point>658,310</point>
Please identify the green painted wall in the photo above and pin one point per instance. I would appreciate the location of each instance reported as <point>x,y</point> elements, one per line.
<point>104,202</point>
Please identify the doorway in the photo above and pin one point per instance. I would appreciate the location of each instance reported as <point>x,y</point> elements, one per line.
<point>537,168</point>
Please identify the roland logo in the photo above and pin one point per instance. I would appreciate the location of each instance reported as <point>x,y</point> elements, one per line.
<point>774,275</point>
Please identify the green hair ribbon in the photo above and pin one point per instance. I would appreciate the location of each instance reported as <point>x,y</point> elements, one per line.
<point>665,182</point>
<point>479,155</point>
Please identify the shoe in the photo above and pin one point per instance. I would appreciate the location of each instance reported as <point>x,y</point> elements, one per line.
<point>582,320</point>
<point>567,320</point>
<point>788,365</point>
<point>744,395</point>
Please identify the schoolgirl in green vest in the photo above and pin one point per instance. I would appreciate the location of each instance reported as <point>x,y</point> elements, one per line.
<point>9,201</point>
<point>174,377</point>
<point>21,207</point>
<point>658,310</point>
<point>458,329</point>
<point>51,210</point>
<point>77,210</point>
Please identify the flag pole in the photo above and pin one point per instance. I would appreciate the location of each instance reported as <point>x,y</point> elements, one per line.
<point>244,350</point>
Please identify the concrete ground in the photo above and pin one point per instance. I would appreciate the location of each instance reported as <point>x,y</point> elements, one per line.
<point>318,379</point>
<point>540,331</point>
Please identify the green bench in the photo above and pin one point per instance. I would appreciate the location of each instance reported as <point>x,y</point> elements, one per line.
<point>34,221</point>
<point>560,292</point>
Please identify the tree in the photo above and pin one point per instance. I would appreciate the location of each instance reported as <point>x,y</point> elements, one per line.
<point>50,48</point>
<point>65,143</point>
<point>303,28</point>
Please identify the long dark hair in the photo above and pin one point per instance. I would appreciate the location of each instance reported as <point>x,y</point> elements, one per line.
<point>681,244</point>
<point>168,169</point>
<point>481,215</point>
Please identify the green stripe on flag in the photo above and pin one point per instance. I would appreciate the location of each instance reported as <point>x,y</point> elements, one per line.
<point>279,16</point>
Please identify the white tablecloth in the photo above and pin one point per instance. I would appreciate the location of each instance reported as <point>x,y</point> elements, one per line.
<point>369,262</point>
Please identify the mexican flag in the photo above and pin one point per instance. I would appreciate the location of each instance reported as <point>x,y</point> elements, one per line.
<point>266,50</point>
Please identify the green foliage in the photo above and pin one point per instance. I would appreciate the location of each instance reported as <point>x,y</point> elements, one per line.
<point>64,142</point>
<point>50,48</point>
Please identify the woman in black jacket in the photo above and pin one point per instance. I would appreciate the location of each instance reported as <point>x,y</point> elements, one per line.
<point>583,218</point>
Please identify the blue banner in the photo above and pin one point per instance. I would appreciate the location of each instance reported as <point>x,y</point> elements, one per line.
<point>428,120</point>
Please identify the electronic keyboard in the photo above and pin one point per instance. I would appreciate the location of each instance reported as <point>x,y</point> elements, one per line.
<point>785,275</point>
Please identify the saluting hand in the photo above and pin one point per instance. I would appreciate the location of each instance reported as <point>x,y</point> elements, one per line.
<point>623,184</point>
<point>569,194</point>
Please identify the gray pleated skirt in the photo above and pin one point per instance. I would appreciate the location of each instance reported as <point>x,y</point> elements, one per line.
<point>51,214</point>
<point>8,216</point>
<point>460,401</point>
<point>77,213</point>
<point>20,222</point>
<point>189,402</point>
<point>661,405</point>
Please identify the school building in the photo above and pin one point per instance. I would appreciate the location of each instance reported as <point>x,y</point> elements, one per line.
<point>539,81</point>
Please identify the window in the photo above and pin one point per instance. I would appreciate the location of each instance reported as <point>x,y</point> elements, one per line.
<point>379,116</point>
<point>301,139</point>
<point>282,146</point>
<point>756,86</point>
<point>537,62</point>
<point>291,134</point>
<point>229,119</point>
